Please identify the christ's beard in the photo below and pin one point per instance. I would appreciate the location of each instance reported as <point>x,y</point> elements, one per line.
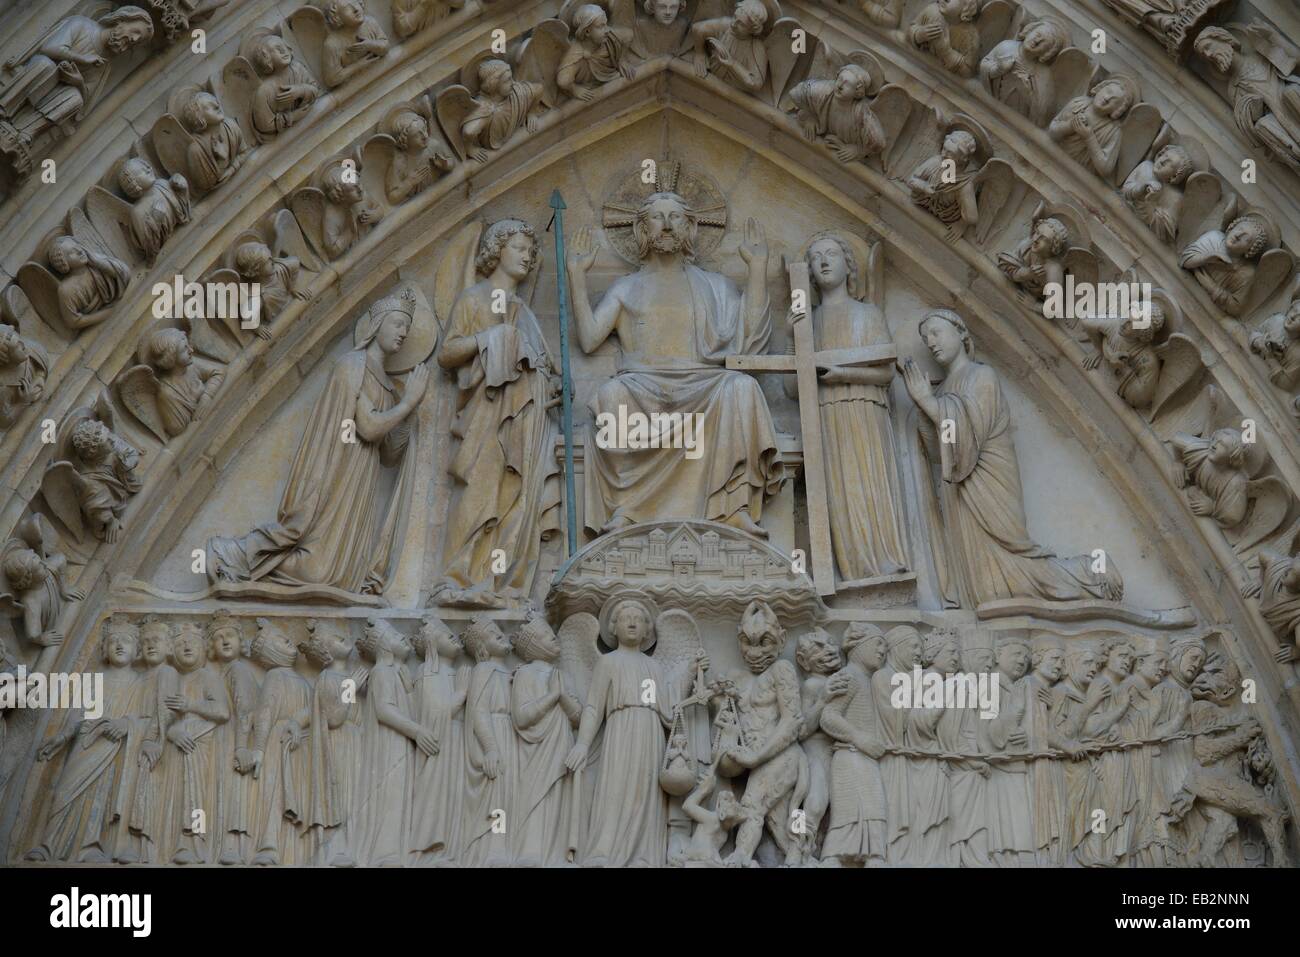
<point>668,242</point>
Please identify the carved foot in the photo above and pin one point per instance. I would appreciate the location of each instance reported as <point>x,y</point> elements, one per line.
<point>230,858</point>
<point>185,856</point>
<point>742,521</point>
<point>128,856</point>
<point>617,521</point>
<point>37,854</point>
<point>266,859</point>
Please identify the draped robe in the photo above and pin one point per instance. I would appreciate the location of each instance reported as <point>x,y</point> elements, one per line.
<point>377,829</point>
<point>546,826</point>
<point>286,696</point>
<point>190,780</point>
<point>491,728</point>
<point>436,815</point>
<point>335,755</point>
<point>858,826</point>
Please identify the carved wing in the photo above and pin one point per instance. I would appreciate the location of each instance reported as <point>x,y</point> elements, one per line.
<point>41,288</point>
<point>287,240</point>
<point>1273,270</point>
<point>1082,264</point>
<point>1270,501</point>
<point>110,215</point>
<point>1072,73</point>
<point>783,64</point>
<point>137,387</point>
<point>308,205</point>
<point>894,107</point>
<point>454,104</point>
<point>995,182</point>
<point>579,651</point>
<point>875,267</point>
<point>239,83</point>
<point>307,24</point>
<point>679,640</point>
<point>206,339</point>
<point>377,155</point>
<point>456,270</point>
<point>540,56</point>
<point>622,15</point>
<point>61,486</point>
<point>1180,404</point>
<point>993,24</point>
<point>1201,195</point>
<point>171,141</point>
<point>1141,127</point>
<point>827,61</point>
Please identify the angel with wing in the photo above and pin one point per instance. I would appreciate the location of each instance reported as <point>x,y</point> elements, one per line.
<point>596,54</point>
<point>279,261</point>
<point>197,140</point>
<point>1022,71</point>
<point>946,29</point>
<point>154,209</point>
<point>1277,342</point>
<point>1154,190</point>
<point>1091,128</point>
<point>1231,262</point>
<point>1130,346</point>
<point>33,586</point>
<point>168,388</point>
<point>412,16</point>
<point>277,89</point>
<point>1278,591</point>
<point>488,107</point>
<point>83,280</point>
<point>1263,83</point>
<point>350,39</point>
<point>93,475</point>
<point>747,48</point>
<point>1039,259</point>
<point>416,154</point>
<point>24,363</point>
<point>335,211</point>
<point>962,185</point>
<point>834,104</point>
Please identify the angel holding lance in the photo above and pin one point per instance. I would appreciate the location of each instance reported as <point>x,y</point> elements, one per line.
<point>331,527</point>
<point>507,493</point>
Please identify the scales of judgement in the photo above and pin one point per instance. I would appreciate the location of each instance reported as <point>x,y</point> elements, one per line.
<point>881,566</point>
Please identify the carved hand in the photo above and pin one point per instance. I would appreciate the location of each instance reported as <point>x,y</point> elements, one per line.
<point>576,758</point>
<point>177,702</point>
<point>492,764</point>
<point>915,381</point>
<point>582,252</point>
<point>48,639</point>
<point>416,385</point>
<point>427,743</point>
<point>754,245</point>
<point>182,740</point>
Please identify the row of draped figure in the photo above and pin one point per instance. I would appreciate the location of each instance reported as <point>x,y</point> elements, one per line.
<point>396,752</point>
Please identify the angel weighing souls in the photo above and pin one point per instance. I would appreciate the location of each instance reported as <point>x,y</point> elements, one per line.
<point>333,527</point>
<point>988,553</point>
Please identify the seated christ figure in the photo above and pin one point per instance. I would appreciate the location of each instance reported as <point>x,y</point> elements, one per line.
<point>676,324</point>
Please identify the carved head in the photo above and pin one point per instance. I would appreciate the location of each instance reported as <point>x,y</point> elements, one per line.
<point>119,643</point>
<point>831,262</point>
<point>749,18</point>
<point>864,646</point>
<point>344,13</point>
<point>535,641</point>
<point>1247,236</point>
<point>1187,657</point>
<point>128,27</point>
<point>1114,96</point>
<point>1049,238</point>
<point>664,12</point>
<point>325,644</point>
<point>631,625</point>
<point>1043,40</point>
<point>202,111</point>
<point>1220,683</point>
<point>1153,665</point>
<point>1048,660</point>
<point>1218,46</point>
<point>959,11</point>
<point>942,651</point>
<point>253,261</point>
<point>169,349</point>
<point>1013,657</point>
<point>271,647</point>
<point>1228,448</point>
<point>815,653</point>
<point>665,223</point>
<point>189,650</point>
<point>67,255</point>
<point>727,808</point>
<point>484,640</point>
<point>905,647</point>
<point>761,636</point>
<point>155,641</point>
<point>135,177</point>
<point>410,132</point>
<point>961,146</point>
<point>1148,331</point>
<point>495,78</point>
<point>946,336</point>
<point>13,347</point>
<point>1172,165</point>
<point>270,54</point>
<point>435,638</point>
<point>341,186</point>
<point>92,441</point>
<point>225,637</point>
<point>1082,664</point>
<point>24,569</point>
<point>381,636</point>
<point>508,244</point>
<point>852,82</point>
<point>1291,321</point>
<point>1118,655</point>
<point>590,23</point>
<point>387,322</point>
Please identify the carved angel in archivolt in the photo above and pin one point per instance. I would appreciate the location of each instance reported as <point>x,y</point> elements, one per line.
<point>1107,130</point>
<point>271,88</point>
<point>74,280</point>
<point>168,388</point>
<point>578,52</point>
<point>412,16</point>
<point>349,39</point>
<point>1034,71</point>
<point>751,48</point>
<point>963,184</point>
<point>24,363</point>
<point>1131,348</point>
<point>954,31</point>
<point>1172,191</point>
<point>1057,244</point>
<point>197,140</point>
<point>34,588</point>
<point>276,257</point>
<point>93,474</point>
<point>153,210</point>
<point>408,151</point>
<point>178,16</point>
<point>1277,342</point>
<point>1278,589</point>
<point>1240,264</point>
<point>487,107</point>
<point>335,212</point>
<point>846,103</point>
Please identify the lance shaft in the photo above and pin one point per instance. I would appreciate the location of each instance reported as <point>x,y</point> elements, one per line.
<point>562,288</point>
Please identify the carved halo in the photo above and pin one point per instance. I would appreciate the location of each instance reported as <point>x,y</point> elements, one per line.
<point>617,598</point>
<point>625,194</point>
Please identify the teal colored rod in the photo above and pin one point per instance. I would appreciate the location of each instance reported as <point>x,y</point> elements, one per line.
<point>562,284</point>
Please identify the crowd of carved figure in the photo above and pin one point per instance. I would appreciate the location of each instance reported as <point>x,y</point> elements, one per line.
<point>538,749</point>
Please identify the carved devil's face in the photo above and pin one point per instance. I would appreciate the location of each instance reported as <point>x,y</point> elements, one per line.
<point>759,647</point>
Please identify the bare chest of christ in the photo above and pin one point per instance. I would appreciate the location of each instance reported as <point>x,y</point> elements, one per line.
<point>658,318</point>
